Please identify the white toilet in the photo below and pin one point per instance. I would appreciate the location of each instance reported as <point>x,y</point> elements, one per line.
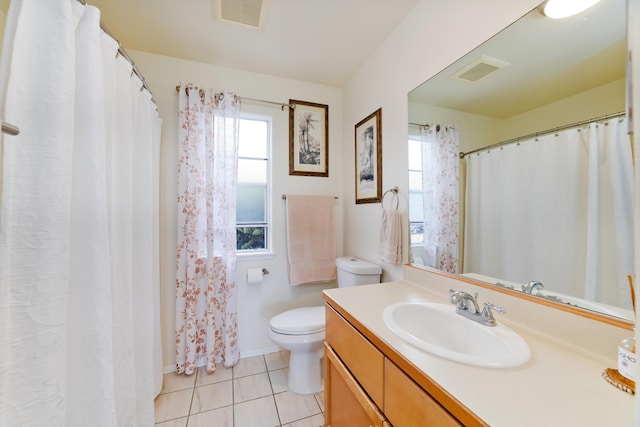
<point>301,330</point>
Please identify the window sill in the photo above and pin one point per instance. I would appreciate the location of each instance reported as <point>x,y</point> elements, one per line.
<point>241,257</point>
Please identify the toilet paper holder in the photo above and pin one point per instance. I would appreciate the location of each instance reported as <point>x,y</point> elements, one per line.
<point>256,275</point>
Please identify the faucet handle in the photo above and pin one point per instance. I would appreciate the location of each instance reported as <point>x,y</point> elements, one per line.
<point>487,313</point>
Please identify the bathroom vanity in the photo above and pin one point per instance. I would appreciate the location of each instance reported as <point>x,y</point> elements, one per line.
<point>373,378</point>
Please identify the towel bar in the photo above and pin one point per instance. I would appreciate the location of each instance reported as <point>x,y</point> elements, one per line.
<point>393,190</point>
<point>284,197</point>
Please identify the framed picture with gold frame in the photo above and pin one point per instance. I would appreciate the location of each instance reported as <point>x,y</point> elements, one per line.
<point>368,145</point>
<point>308,139</point>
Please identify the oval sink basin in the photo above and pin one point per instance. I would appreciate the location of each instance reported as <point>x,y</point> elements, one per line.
<point>438,329</point>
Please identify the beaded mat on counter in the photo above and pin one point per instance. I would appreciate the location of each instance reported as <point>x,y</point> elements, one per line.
<point>613,377</point>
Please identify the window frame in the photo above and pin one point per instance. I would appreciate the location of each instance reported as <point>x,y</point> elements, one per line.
<point>268,250</point>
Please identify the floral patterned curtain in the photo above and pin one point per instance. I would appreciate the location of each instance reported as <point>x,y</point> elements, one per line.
<point>440,180</point>
<point>206,300</point>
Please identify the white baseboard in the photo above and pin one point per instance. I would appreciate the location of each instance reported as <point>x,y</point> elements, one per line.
<point>259,351</point>
<point>243,355</point>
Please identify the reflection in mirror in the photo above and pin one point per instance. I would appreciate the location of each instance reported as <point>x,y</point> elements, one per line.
<point>544,189</point>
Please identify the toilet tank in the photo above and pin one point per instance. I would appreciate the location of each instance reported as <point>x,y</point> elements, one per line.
<point>353,271</point>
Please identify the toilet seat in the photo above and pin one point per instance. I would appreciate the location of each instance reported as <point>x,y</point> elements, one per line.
<point>299,321</point>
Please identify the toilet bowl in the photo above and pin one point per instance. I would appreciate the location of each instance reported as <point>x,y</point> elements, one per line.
<point>302,330</point>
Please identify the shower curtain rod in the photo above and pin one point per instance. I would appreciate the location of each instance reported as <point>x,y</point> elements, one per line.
<point>280,104</point>
<point>545,132</point>
<point>121,51</point>
<point>422,125</point>
<point>8,128</point>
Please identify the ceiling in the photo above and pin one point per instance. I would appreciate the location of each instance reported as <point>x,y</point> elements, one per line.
<point>548,60</point>
<point>320,41</point>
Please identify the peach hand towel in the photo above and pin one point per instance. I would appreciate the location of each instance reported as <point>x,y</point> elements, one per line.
<point>390,249</point>
<point>311,247</point>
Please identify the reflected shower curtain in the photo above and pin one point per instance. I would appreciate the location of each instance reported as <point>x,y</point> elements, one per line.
<point>440,185</point>
<point>79,281</point>
<point>558,210</point>
<point>206,300</point>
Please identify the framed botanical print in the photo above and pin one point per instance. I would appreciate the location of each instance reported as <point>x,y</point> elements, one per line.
<point>368,145</point>
<point>308,139</point>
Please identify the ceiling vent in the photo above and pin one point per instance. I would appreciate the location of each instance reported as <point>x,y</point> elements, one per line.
<point>479,69</point>
<point>248,13</point>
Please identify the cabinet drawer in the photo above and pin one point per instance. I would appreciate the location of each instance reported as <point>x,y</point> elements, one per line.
<point>407,404</point>
<point>347,405</point>
<point>361,358</point>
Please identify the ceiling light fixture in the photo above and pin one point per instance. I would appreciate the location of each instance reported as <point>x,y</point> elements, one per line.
<point>557,9</point>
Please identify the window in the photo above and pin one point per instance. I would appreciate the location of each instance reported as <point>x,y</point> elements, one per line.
<point>252,212</point>
<point>416,194</point>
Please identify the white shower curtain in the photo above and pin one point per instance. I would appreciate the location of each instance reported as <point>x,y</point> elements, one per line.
<point>79,282</point>
<point>557,210</point>
<point>440,186</point>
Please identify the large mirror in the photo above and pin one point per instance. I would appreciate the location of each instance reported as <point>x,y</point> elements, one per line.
<point>543,203</point>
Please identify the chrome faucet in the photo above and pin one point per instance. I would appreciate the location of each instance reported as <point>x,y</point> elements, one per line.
<point>531,286</point>
<point>462,299</point>
<point>467,306</point>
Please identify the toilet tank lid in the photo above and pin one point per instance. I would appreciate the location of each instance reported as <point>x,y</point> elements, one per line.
<point>357,266</point>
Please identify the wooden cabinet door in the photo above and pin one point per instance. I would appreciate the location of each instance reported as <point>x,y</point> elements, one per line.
<point>408,405</point>
<point>346,404</point>
<point>361,358</point>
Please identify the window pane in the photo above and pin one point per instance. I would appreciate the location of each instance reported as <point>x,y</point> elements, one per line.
<point>417,233</point>
<point>416,213</point>
<point>251,238</point>
<point>252,171</point>
<point>253,138</point>
<point>251,204</point>
<point>415,155</point>
<point>415,181</point>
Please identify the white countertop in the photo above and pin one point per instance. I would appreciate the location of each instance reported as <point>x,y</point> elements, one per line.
<point>561,385</point>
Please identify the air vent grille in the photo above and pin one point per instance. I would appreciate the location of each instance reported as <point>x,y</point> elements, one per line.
<point>250,13</point>
<point>479,68</point>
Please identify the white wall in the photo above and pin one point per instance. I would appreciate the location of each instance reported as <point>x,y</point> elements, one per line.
<point>433,36</point>
<point>600,101</point>
<point>474,130</point>
<point>256,303</point>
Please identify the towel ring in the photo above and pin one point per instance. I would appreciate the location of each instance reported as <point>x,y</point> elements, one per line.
<point>394,191</point>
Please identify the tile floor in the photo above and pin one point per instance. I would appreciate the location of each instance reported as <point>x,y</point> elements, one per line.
<point>251,394</point>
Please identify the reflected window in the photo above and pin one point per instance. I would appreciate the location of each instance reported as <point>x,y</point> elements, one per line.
<point>416,190</point>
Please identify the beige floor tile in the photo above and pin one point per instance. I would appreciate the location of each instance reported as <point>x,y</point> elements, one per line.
<point>251,387</point>
<point>293,407</point>
<point>279,380</point>
<point>249,366</point>
<point>221,417</point>
<point>173,405</point>
<point>212,396</point>
<point>256,413</point>
<point>180,422</point>
<point>315,421</point>
<point>220,374</point>
<point>174,382</point>
<point>320,399</point>
<point>277,360</point>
